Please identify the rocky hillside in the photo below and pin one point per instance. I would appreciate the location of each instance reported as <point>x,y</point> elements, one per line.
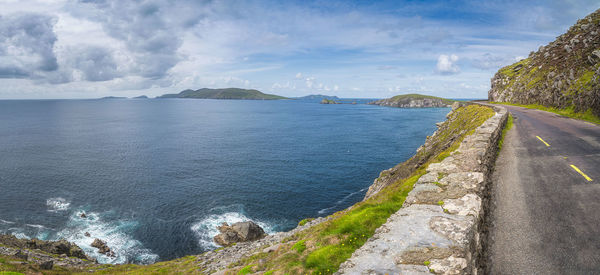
<point>228,93</point>
<point>564,74</point>
<point>413,101</point>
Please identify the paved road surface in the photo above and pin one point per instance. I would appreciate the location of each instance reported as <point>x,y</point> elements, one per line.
<point>546,218</point>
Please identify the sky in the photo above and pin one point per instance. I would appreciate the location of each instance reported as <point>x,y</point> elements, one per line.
<point>359,49</point>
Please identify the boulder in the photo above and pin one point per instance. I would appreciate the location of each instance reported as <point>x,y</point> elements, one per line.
<point>47,265</point>
<point>102,247</point>
<point>238,232</point>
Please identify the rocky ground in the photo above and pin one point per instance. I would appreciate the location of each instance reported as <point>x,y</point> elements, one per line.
<point>34,255</point>
<point>218,260</point>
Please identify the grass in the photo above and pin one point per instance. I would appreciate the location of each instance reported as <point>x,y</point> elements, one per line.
<point>304,221</point>
<point>567,112</point>
<point>299,246</point>
<point>508,126</point>
<point>245,270</point>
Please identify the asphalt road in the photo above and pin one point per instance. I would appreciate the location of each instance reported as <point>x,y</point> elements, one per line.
<point>545,215</point>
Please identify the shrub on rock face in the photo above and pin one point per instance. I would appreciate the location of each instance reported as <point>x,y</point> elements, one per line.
<point>238,232</point>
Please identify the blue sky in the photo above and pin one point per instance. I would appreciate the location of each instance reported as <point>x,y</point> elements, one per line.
<point>89,49</point>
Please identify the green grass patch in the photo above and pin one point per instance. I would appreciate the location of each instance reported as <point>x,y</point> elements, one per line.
<point>304,221</point>
<point>246,270</point>
<point>567,112</point>
<point>299,246</point>
<point>426,262</point>
<point>508,126</point>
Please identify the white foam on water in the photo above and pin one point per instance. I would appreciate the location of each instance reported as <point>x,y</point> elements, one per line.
<point>38,226</point>
<point>116,234</point>
<point>324,210</point>
<point>57,204</point>
<point>206,229</point>
<point>6,222</point>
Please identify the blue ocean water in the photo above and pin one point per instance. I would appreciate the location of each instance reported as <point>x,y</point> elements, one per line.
<point>155,177</point>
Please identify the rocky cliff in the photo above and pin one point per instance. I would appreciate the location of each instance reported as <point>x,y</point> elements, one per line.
<point>564,74</point>
<point>413,101</point>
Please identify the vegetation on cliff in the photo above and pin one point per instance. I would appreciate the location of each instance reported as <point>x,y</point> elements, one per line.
<point>563,75</point>
<point>228,93</point>
<point>413,101</point>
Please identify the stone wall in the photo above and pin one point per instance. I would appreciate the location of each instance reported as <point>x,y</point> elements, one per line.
<point>441,224</point>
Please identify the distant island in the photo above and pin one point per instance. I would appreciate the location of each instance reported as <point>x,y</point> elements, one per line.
<point>329,101</point>
<point>228,93</point>
<point>317,97</point>
<point>141,97</point>
<point>414,101</point>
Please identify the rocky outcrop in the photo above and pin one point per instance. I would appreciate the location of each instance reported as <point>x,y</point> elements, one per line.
<point>328,101</point>
<point>563,74</point>
<point>102,247</point>
<point>413,101</point>
<point>55,247</point>
<point>45,255</point>
<point>439,228</point>
<point>238,232</point>
<point>216,260</point>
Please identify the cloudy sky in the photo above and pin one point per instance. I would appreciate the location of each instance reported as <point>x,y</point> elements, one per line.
<point>88,49</point>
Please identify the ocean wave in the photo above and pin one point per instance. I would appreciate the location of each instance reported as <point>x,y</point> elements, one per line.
<point>206,229</point>
<point>336,204</point>
<point>6,222</point>
<point>57,204</point>
<point>116,234</point>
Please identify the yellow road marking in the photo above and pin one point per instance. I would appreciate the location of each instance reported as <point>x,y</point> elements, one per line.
<point>579,171</point>
<point>543,141</point>
<point>590,123</point>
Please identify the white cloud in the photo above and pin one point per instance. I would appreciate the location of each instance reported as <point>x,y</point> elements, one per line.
<point>310,81</point>
<point>299,76</point>
<point>447,64</point>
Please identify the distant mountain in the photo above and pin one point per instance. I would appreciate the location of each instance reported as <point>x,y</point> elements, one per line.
<point>317,97</point>
<point>113,97</point>
<point>414,101</point>
<point>228,93</point>
<point>141,97</point>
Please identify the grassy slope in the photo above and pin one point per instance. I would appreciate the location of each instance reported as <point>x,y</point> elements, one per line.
<point>322,248</point>
<point>567,112</point>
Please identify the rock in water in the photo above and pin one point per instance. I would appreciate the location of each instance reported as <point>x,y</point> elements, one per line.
<point>238,232</point>
<point>102,247</point>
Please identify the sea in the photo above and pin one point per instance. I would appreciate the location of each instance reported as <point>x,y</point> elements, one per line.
<point>154,177</point>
